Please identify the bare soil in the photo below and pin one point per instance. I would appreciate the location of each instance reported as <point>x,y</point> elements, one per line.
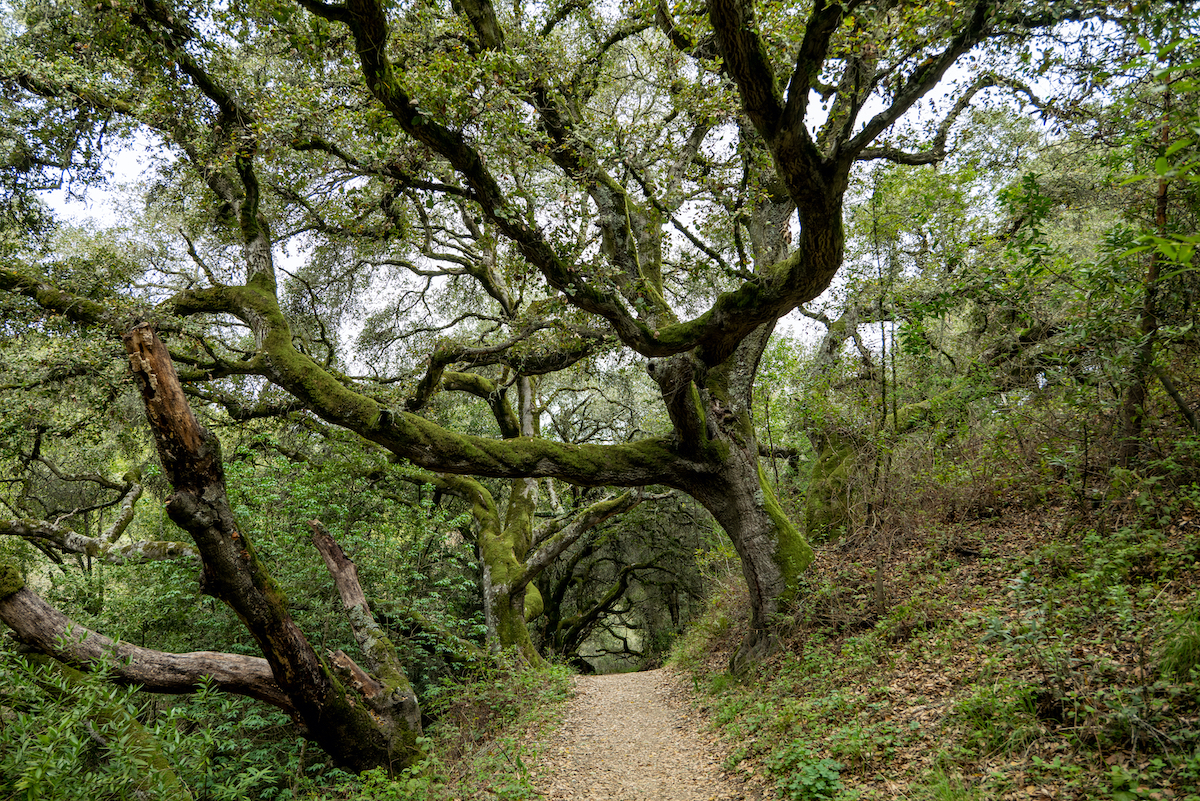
<point>636,737</point>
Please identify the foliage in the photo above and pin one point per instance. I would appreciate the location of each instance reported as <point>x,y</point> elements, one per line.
<point>475,748</point>
<point>1181,649</point>
<point>1053,660</point>
<point>532,202</point>
<point>67,737</point>
<point>79,736</point>
<point>804,776</point>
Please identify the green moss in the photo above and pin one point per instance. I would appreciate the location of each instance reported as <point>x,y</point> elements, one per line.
<point>534,605</point>
<point>827,509</point>
<point>263,580</point>
<point>793,554</point>
<point>10,579</point>
<point>682,335</point>
<point>513,633</point>
<point>698,402</point>
<point>911,414</point>
<point>591,461</point>
<point>747,297</point>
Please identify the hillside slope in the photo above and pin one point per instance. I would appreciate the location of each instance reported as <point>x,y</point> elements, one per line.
<point>1029,655</point>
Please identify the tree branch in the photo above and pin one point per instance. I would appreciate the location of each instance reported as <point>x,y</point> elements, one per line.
<point>389,689</point>
<point>924,78</point>
<point>101,548</point>
<point>48,631</point>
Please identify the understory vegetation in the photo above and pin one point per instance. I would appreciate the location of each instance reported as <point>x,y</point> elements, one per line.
<point>1032,646</point>
<point>73,735</point>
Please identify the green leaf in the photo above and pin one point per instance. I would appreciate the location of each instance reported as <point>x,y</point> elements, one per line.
<point>1176,147</point>
<point>1167,49</point>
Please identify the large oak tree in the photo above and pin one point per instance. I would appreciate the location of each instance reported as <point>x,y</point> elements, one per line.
<point>512,190</point>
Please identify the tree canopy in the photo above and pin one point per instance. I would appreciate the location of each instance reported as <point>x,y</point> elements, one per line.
<point>352,210</point>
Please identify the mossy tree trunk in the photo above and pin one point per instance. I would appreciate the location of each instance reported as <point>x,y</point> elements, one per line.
<point>712,409</point>
<point>827,501</point>
<point>510,597</point>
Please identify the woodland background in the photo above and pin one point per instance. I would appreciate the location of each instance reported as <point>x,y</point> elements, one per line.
<point>843,354</point>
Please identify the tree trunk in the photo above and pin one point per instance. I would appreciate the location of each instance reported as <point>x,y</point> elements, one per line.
<point>711,407</point>
<point>773,552</point>
<point>358,730</point>
<point>827,507</point>
<point>388,692</point>
<point>503,549</point>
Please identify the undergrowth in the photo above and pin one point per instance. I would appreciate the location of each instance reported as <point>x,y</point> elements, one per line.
<point>70,735</point>
<point>1032,655</point>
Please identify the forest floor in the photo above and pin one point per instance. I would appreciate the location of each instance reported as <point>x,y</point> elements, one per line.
<point>637,737</point>
<point>1038,654</point>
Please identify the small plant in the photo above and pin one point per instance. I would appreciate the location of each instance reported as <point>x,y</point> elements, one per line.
<point>413,784</point>
<point>944,787</point>
<point>804,776</point>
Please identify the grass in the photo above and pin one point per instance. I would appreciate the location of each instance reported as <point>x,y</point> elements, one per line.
<point>485,733</point>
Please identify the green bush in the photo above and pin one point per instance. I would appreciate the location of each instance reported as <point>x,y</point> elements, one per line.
<point>71,735</point>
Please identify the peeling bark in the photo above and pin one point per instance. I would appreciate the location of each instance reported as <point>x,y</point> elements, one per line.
<point>336,717</point>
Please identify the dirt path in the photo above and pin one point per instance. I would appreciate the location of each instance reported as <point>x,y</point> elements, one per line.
<point>634,737</point>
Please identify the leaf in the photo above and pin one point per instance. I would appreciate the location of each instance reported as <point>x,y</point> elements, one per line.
<point>1176,147</point>
<point>1167,49</point>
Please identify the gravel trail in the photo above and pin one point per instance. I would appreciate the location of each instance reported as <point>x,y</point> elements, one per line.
<point>635,737</point>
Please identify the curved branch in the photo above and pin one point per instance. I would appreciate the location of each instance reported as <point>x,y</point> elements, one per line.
<point>937,149</point>
<point>551,545</point>
<point>923,79</point>
<point>66,540</point>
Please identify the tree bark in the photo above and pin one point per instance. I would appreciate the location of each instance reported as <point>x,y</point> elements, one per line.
<point>356,735</point>
<point>711,408</point>
<point>98,548</point>
<point>391,694</point>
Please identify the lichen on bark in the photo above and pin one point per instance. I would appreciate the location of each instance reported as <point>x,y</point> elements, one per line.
<point>793,554</point>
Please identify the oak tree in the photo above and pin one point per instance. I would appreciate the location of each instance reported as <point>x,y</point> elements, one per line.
<point>514,188</point>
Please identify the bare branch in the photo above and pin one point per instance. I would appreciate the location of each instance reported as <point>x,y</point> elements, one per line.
<point>389,689</point>
<point>47,630</point>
